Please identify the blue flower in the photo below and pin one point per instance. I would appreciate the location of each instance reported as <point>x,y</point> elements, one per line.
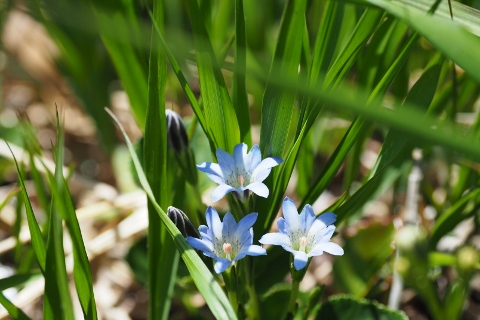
<point>240,172</point>
<point>226,241</point>
<point>303,235</point>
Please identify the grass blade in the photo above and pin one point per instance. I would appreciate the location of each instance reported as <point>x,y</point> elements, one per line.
<point>218,109</point>
<point>162,255</point>
<point>277,105</point>
<point>239,90</point>
<point>13,311</point>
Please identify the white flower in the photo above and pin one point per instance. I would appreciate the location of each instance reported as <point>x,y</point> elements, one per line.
<point>240,172</point>
<point>303,235</point>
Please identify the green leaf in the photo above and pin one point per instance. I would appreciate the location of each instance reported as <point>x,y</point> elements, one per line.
<point>342,307</point>
<point>453,216</point>
<point>36,236</point>
<point>57,301</point>
<point>275,301</point>
<point>239,90</point>
<point>13,311</point>
<point>17,280</point>
<point>277,105</point>
<point>162,255</point>
<point>441,32</point>
<point>206,283</point>
<point>218,109</point>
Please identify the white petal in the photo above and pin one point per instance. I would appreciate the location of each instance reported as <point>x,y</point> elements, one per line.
<point>300,260</point>
<point>321,223</point>
<point>221,265</point>
<point>324,235</point>
<point>240,156</point>
<point>221,191</point>
<point>291,215</point>
<point>211,168</point>
<point>329,247</point>
<point>254,157</point>
<point>199,244</point>
<point>213,222</point>
<point>259,189</point>
<point>275,238</point>
<point>216,178</point>
<point>307,217</point>
<point>258,174</point>
<point>253,250</point>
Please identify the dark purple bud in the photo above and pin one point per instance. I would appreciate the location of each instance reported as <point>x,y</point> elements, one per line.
<point>184,225</point>
<point>176,133</point>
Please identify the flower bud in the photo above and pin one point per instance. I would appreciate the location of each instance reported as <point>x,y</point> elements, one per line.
<point>178,144</point>
<point>181,221</point>
<point>176,133</point>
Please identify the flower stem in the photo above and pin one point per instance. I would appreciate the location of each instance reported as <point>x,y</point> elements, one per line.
<point>230,279</point>
<point>253,302</point>
<point>293,297</point>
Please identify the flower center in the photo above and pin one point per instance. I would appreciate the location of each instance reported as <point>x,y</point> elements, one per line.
<point>227,248</point>
<point>241,180</point>
<point>303,244</point>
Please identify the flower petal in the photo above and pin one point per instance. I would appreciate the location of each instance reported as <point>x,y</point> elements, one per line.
<point>229,226</point>
<point>258,174</point>
<point>307,217</point>
<point>291,215</point>
<point>275,238</point>
<point>329,247</point>
<point>206,233</point>
<point>324,235</point>
<point>254,157</point>
<point>255,250</point>
<point>216,178</point>
<point>200,244</point>
<point>300,260</point>
<point>321,223</point>
<point>210,168</point>
<point>221,191</point>
<point>282,226</point>
<point>213,222</point>
<point>240,156</point>
<point>221,265</point>
<point>246,222</point>
<point>259,189</point>
<point>226,162</point>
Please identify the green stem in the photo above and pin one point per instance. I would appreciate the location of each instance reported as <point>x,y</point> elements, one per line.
<point>293,297</point>
<point>230,279</point>
<point>254,309</point>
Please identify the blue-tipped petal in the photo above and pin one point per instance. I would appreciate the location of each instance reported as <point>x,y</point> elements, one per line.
<point>221,265</point>
<point>329,247</point>
<point>216,178</point>
<point>307,217</point>
<point>291,215</point>
<point>200,244</point>
<point>259,189</point>
<point>266,164</point>
<point>221,191</point>
<point>211,168</point>
<point>300,260</point>
<point>226,162</point>
<point>254,158</point>
<point>229,225</point>
<point>275,238</point>
<point>282,226</point>
<point>254,250</point>
<point>246,222</point>
<point>213,222</point>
